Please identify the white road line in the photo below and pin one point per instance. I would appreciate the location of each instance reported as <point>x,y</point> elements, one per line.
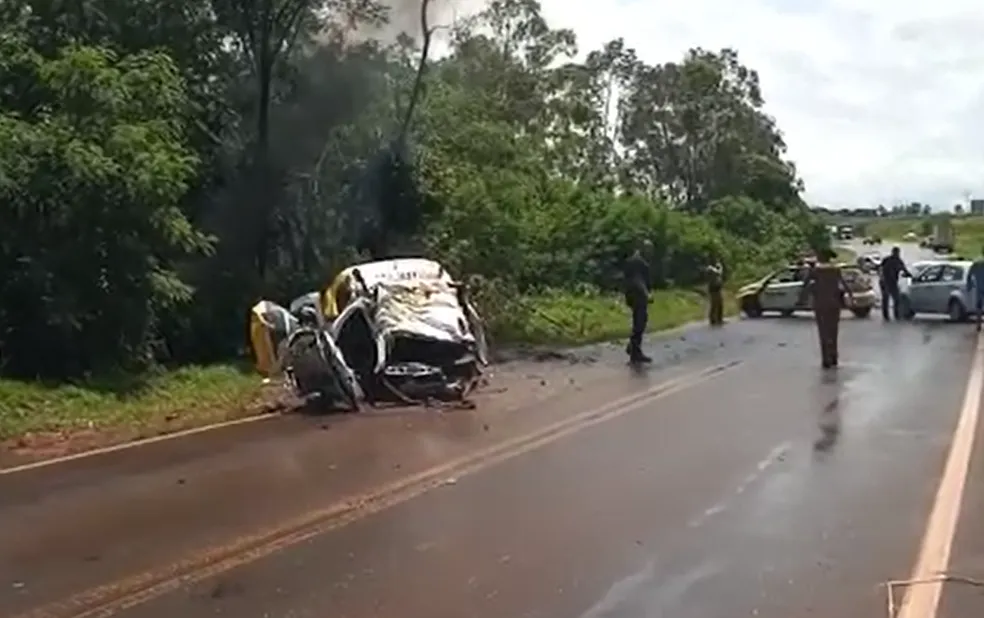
<point>922,600</point>
<point>125,446</point>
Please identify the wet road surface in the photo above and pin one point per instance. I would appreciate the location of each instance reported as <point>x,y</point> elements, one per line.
<point>733,479</point>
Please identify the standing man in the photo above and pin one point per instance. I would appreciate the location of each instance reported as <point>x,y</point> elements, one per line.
<point>975,285</point>
<point>826,283</point>
<point>888,280</point>
<point>637,284</point>
<point>715,285</point>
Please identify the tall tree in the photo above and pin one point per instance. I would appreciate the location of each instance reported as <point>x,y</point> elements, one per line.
<point>90,182</point>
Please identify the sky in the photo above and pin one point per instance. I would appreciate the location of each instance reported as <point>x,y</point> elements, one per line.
<point>880,101</point>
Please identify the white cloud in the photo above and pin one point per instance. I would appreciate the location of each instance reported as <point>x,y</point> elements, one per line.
<point>880,100</point>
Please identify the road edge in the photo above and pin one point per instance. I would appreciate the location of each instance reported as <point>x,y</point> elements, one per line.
<point>528,354</point>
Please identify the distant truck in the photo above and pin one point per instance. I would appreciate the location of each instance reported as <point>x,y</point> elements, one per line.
<point>845,232</point>
<point>942,238</point>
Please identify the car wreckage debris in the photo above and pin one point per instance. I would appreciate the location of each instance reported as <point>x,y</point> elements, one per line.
<point>391,330</point>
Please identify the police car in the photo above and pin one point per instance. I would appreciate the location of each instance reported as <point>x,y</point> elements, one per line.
<point>870,261</point>
<point>780,291</point>
<point>938,287</point>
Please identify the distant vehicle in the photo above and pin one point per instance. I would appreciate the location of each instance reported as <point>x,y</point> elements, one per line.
<point>845,232</point>
<point>925,242</point>
<point>938,287</point>
<point>872,240</point>
<point>910,237</point>
<point>779,292</point>
<point>943,236</point>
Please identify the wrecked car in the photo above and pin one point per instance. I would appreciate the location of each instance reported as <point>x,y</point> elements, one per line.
<point>298,346</point>
<point>399,329</point>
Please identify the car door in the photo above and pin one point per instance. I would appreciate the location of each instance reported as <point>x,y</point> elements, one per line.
<point>783,290</point>
<point>951,280</point>
<point>922,289</point>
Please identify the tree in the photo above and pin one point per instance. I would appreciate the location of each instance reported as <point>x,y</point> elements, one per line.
<point>266,33</point>
<point>297,136</point>
<point>694,132</point>
<point>91,177</point>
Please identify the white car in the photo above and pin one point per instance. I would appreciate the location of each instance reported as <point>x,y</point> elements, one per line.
<point>938,287</point>
<point>780,291</point>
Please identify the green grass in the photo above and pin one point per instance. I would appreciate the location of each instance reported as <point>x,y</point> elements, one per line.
<point>895,229</point>
<point>968,232</point>
<point>168,400</point>
<point>969,236</point>
<point>566,318</point>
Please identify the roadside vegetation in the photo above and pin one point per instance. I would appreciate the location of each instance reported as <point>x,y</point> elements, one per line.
<point>155,181</point>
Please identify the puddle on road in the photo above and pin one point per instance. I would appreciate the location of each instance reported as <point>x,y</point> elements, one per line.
<point>641,594</point>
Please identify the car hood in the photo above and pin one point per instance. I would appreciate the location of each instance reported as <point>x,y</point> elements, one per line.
<point>751,288</point>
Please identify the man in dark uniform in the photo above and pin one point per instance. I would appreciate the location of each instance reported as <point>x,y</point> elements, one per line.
<point>637,283</point>
<point>826,284</point>
<point>715,284</point>
<point>975,287</point>
<point>888,280</point>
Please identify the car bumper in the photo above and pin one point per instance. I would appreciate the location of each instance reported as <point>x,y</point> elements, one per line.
<point>862,300</point>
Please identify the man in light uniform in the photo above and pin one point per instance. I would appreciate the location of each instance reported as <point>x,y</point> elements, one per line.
<point>826,284</point>
<point>715,297</point>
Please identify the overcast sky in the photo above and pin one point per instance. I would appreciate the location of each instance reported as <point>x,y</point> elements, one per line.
<point>880,100</point>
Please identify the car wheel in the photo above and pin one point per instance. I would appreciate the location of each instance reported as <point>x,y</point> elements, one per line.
<point>956,311</point>
<point>905,309</point>
<point>751,307</point>
<point>861,312</point>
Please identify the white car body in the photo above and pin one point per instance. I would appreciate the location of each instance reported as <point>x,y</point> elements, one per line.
<point>780,291</point>
<point>938,287</point>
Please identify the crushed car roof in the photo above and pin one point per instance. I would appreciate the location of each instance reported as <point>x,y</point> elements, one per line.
<point>383,271</point>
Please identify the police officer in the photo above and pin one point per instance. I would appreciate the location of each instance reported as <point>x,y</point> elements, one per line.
<point>637,284</point>
<point>888,280</point>
<point>715,283</point>
<point>826,284</point>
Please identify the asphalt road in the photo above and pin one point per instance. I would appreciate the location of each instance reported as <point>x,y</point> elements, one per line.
<point>734,478</point>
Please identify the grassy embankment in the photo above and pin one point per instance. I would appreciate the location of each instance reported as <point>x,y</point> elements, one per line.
<point>190,396</point>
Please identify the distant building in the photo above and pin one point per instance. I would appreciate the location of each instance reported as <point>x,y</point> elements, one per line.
<point>977,207</point>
